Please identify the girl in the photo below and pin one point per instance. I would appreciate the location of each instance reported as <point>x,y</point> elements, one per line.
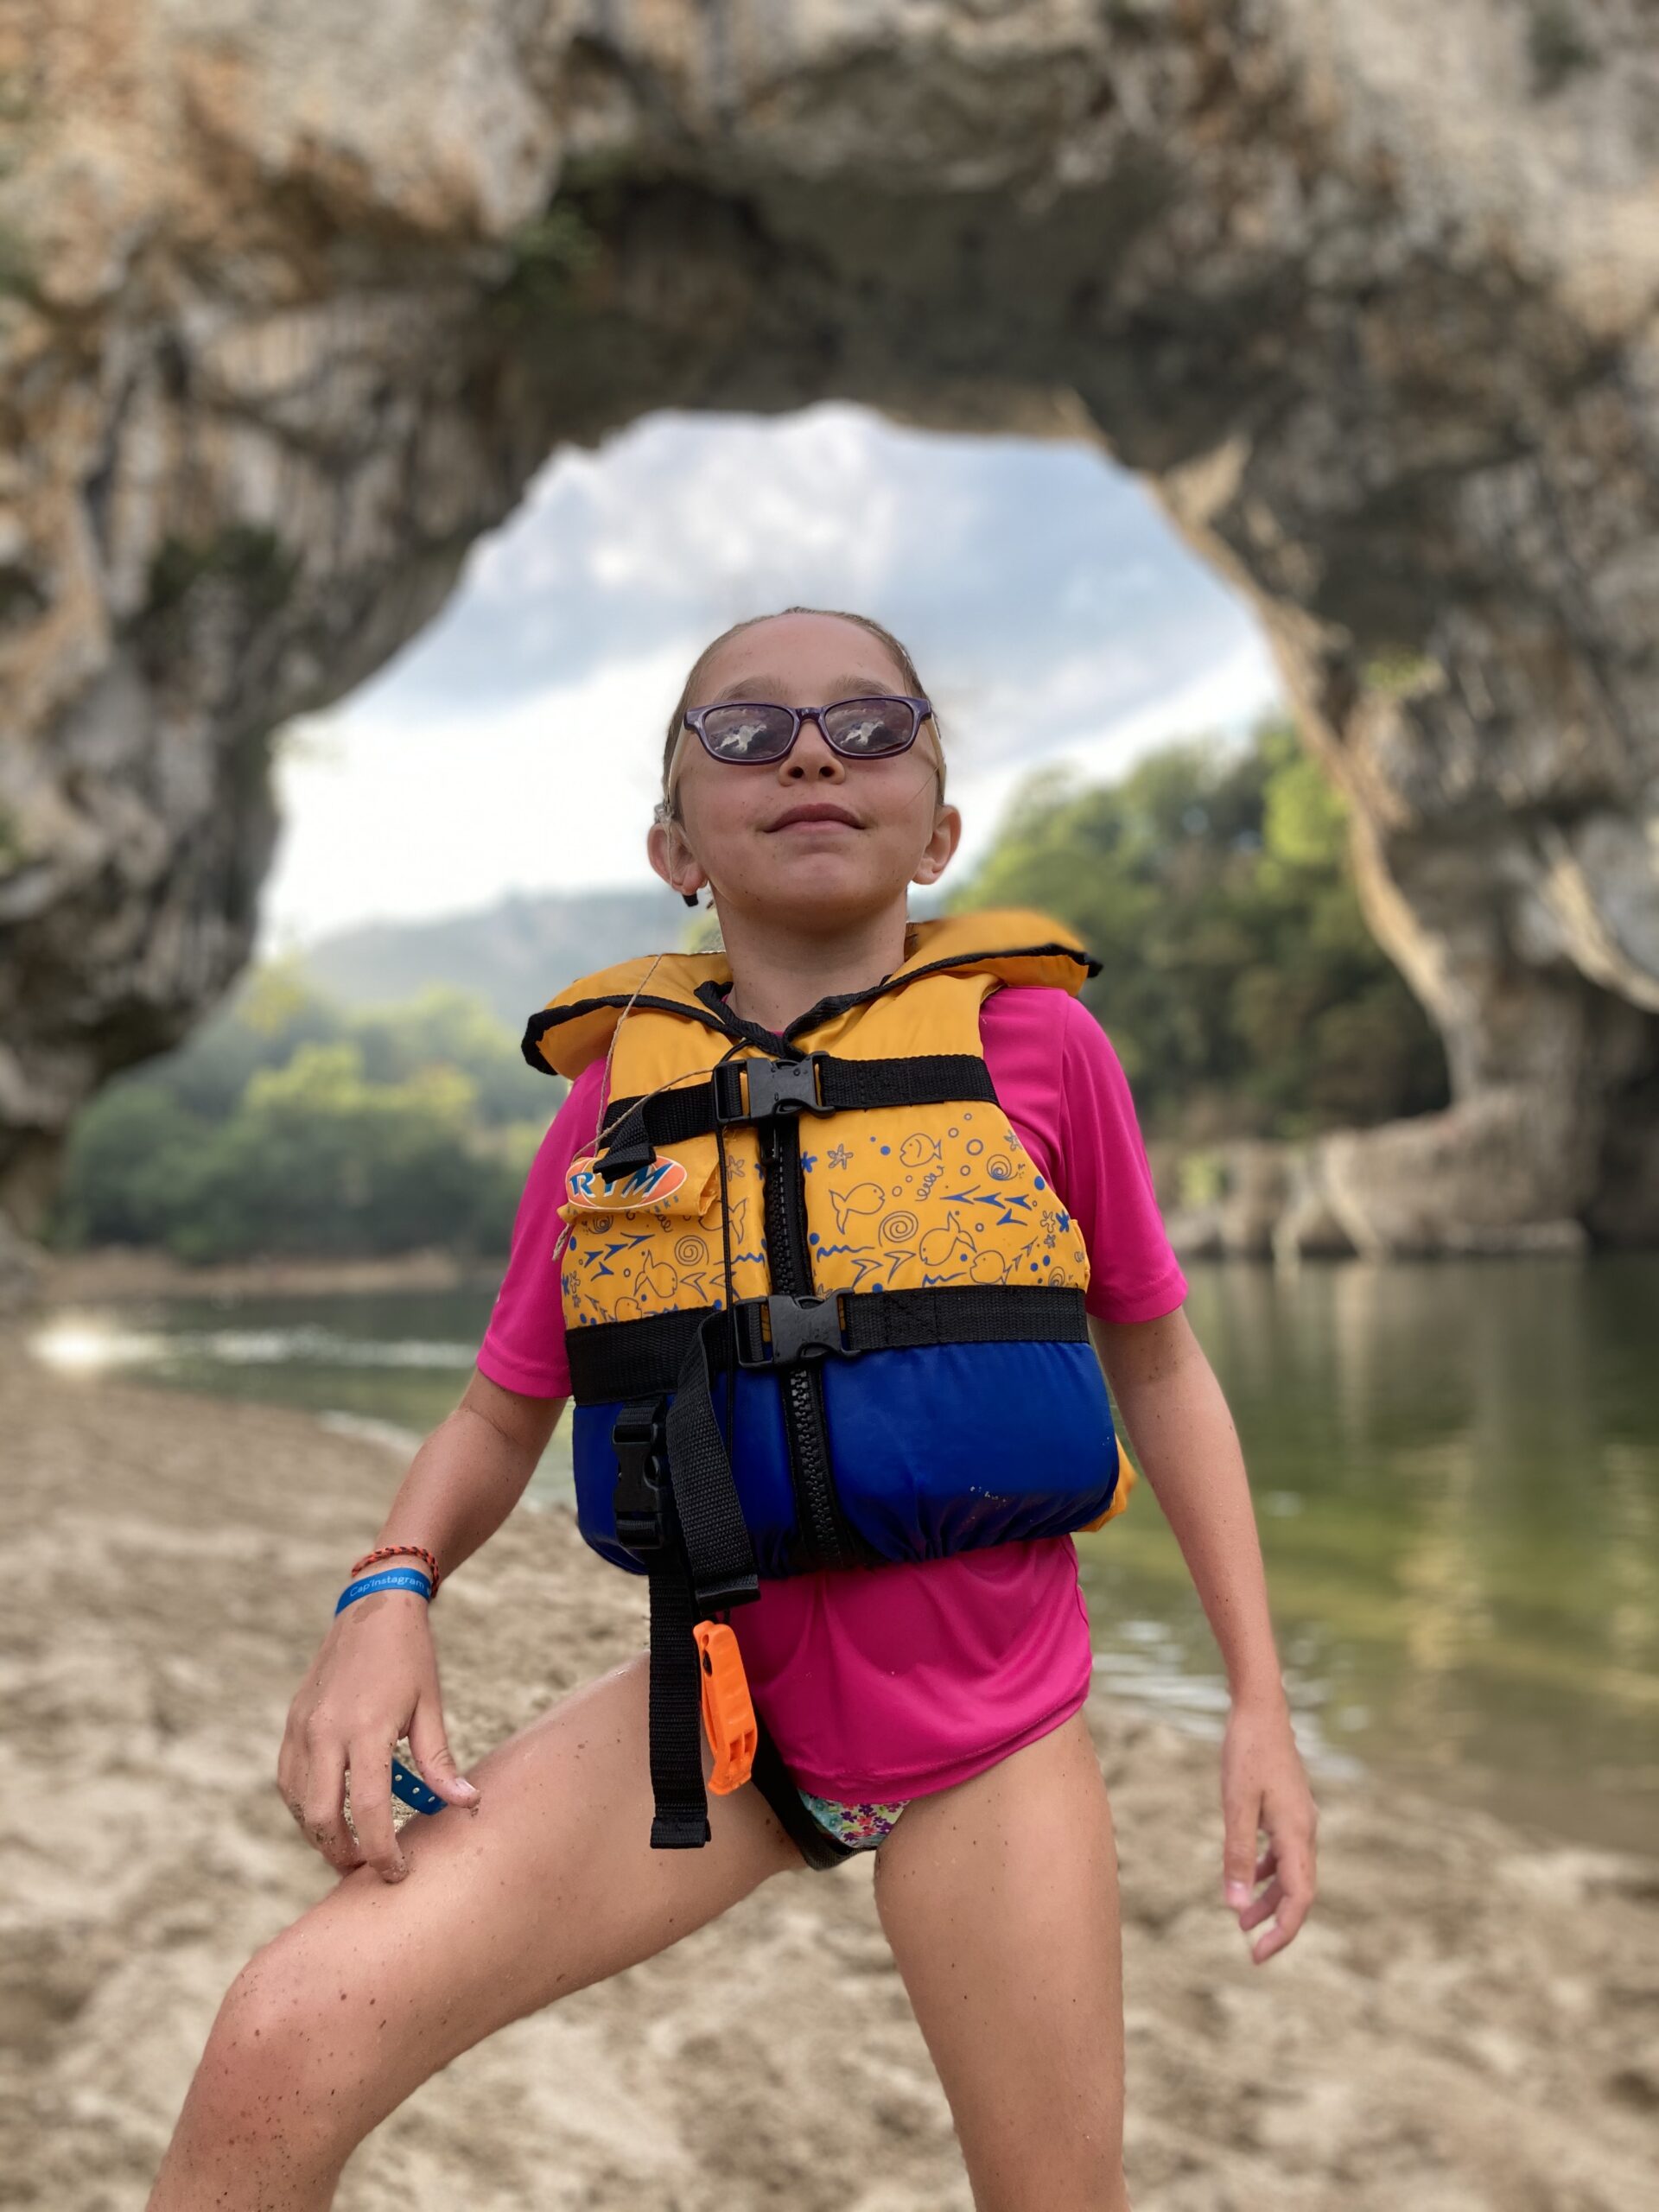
<point>929,1711</point>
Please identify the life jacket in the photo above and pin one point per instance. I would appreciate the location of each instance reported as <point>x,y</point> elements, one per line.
<point>823,1309</point>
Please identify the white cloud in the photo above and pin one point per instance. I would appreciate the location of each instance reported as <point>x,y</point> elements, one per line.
<point>1051,609</point>
<point>1223,700</point>
<point>448,813</point>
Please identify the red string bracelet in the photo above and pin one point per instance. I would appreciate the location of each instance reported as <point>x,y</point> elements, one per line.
<point>392,1551</point>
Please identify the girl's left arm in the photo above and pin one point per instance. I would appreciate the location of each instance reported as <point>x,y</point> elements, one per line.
<point>1188,1449</point>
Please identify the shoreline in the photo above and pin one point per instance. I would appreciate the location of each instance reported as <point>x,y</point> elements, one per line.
<point>1469,2016</point>
<point>122,1271</point>
<point>115,1271</point>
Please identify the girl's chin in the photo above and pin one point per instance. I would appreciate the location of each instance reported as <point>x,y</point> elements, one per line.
<point>821,892</point>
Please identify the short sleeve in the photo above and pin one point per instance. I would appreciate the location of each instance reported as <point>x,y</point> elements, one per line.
<point>1103,1173</point>
<point>523,1342</point>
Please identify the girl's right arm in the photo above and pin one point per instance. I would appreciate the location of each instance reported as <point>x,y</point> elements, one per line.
<point>375,1677</point>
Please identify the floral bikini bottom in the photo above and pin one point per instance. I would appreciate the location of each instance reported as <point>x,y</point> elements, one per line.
<point>861,1827</point>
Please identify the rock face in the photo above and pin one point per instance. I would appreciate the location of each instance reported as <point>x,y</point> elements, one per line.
<point>293,302</point>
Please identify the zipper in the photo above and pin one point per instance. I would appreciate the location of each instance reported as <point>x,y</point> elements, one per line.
<point>830,1542</point>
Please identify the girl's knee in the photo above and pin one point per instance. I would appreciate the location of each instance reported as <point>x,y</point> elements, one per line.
<point>289,2047</point>
<point>260,2054</point>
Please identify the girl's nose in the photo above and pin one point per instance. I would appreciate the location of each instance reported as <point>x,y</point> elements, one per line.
<point>812,755</point>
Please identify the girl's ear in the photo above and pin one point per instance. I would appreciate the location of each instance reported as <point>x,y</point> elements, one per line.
<point>936,856</point>
<point>671,858</point>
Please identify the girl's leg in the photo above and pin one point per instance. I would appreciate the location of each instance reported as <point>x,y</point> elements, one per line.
<point>1000,1900</point>
<point>550,1886</point>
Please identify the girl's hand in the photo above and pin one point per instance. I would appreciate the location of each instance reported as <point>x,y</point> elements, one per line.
<point>1263,1787</point>
<point>374,1680</point>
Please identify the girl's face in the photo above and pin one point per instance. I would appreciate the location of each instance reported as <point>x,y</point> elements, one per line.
<point>811,840</point>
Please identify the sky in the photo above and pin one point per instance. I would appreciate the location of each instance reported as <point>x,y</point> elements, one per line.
<point>516,744</point>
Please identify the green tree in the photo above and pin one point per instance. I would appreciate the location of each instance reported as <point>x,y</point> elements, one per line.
<point>319,1161</point>
<point>1239,984</point>
<point>127,1158</point>
<point>291,1124</point>
<point>445,1026</point>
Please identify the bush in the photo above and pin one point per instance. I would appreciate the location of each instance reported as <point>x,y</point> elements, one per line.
<point>293,1125</point>
<point>1241,987</point>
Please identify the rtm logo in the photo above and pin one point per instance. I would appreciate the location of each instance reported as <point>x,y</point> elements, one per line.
<point>646,1186</point>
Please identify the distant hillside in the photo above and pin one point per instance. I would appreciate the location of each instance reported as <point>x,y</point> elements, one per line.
<point>514,956</point>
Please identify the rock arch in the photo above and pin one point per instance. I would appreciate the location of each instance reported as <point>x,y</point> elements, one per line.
<point>291,313</point>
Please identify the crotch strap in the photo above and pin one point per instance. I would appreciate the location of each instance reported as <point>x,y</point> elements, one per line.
<point>678,1512</point>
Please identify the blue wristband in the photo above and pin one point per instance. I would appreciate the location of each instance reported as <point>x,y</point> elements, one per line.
<point>410,1787</point>
<point>391,1578</point>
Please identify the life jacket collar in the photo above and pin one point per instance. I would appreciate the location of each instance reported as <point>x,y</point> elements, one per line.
<point>1015,945</point>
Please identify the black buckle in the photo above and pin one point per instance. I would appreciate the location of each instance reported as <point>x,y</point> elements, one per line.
<point>640,1436</point>
<point>776,1332</point>
<point>625,1149</point>
<point>617,1166</point>
<point>774,1087</point>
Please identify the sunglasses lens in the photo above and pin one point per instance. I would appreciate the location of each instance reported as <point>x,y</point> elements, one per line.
<point>746,732</point>
<point>869,727</point>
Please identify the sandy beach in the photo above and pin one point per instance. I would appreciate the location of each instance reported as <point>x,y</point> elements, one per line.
<point>1470,2019</point>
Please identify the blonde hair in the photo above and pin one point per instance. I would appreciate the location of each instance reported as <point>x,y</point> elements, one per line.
<point>668,806</point>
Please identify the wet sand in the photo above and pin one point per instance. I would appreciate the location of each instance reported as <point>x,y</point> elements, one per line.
<point>1470,2020</point>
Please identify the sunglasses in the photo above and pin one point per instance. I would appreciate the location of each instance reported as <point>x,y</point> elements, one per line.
<point>859,729</point>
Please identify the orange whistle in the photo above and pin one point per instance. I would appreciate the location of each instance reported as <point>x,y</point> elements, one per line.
<point>727,1710</point>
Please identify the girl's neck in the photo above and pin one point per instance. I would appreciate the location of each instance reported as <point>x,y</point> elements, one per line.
<point>778,974</point>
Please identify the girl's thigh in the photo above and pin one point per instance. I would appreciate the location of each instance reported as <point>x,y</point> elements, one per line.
<point>550,1885</point>
<point>999,1897</point>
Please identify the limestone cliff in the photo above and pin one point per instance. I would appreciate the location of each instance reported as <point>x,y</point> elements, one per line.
<point>295,300</point>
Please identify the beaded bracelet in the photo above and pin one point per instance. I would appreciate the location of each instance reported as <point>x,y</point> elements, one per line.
<point>393,1577</point>
<point>391,1551</point>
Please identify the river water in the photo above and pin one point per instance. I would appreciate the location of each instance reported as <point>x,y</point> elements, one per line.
<point>1456,1475</point>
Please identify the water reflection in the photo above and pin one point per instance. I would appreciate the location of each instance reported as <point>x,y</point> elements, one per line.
<point>89,1343</point>
<point>1474,1452</point>
<point>387,1366</point>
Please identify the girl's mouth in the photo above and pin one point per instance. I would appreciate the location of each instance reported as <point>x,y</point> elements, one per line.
<point>802,817</point>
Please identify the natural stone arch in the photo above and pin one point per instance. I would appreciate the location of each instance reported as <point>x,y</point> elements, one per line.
<point>292,312</point>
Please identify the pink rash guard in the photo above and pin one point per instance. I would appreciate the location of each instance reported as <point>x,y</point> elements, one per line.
<point>889,1683</point>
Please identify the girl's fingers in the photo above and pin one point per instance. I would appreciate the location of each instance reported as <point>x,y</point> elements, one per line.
<point>1242,1814</point>
<point>1296,1872</point>
<point>1287,1897</point>
<point>292,1756</point>
<point>323,1805</point>
<point>430,1749</point>
<point>1262,1908</point>
<point>1266,1866</point>
<point>371,1759</point>
<point>1293,1911</point>
<point>293,1796</point>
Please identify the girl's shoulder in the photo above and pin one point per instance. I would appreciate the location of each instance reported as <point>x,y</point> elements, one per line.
<point>1057,1073</point>
<point>1052,1028</point>
<point>571,1130</point>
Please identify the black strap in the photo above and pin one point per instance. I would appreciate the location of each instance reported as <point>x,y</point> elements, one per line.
<point>676,1510</point>
<point>717,1549</point>
<point>753,1090</point>
<point>680,1815</point>
<point>776,1785</point>
<point>623,1359</point>
<point>647,1524</point>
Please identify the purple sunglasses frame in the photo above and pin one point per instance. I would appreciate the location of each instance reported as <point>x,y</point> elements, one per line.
<point>919,711</point>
